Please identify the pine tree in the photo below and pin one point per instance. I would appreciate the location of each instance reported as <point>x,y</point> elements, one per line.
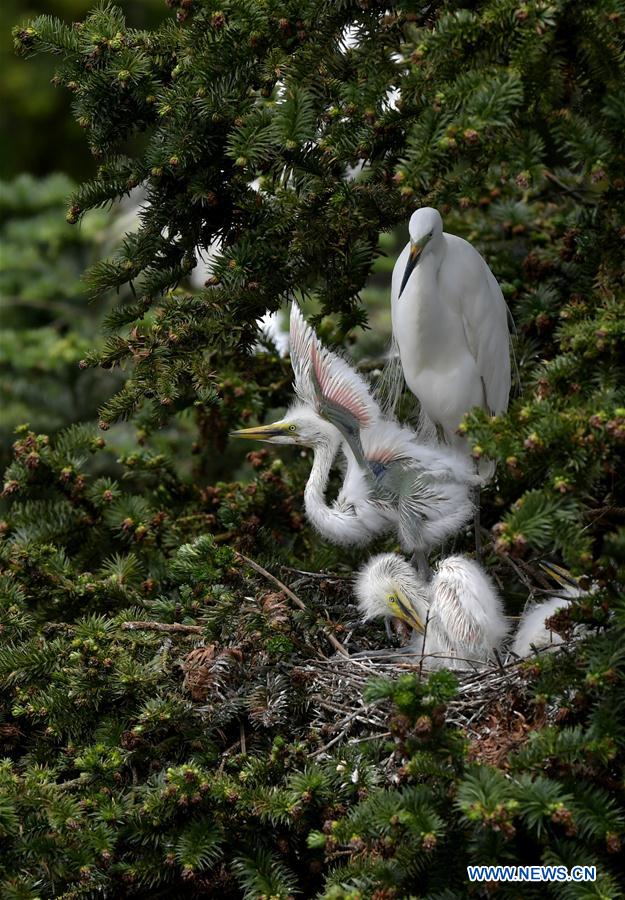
<point>47,323</point>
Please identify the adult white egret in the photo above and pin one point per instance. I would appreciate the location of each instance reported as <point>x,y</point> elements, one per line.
<point>392,481</point>
<point>532,632</point>
<point>457,615</point>
<point>450,323</point>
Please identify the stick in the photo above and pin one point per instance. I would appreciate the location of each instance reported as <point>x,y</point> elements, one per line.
<point>296,600</point>
<point>425,634</point>
<point>605,511</point>
<point>498,658</point>
<point>163,626</point>
<point>257,568</point>
<point>328,576</point>
<point>565,187</point>
<point>370,737</point>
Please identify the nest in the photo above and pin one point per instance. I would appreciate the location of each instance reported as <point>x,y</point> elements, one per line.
<point>492,706</point>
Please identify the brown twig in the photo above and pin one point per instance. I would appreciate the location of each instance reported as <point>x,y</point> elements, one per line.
<point>498,658</point>
<point>565,187</point>
<point>604,511</point>
<point>324,576</point>
<point>370,737</point>
<point>176,627</point>
<point>296,600</point>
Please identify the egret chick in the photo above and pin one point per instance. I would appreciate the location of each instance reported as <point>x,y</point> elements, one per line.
<point>457,616</point>
<point>355,517</point>
<point>392,481</point>
<point>532,632</point>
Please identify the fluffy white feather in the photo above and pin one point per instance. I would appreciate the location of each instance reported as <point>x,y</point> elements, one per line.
<point>532,630</point>
<point>422,488</point>
<point>462,609</point>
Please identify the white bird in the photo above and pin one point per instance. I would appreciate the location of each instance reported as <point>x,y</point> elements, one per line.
<point>457,616</point>
<point>532,632</point>
<point>355,517</point>
<point>270,327</point>
<point>392,481</point>
<point>450,324</point>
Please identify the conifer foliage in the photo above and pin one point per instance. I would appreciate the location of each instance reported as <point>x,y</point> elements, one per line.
<point>47,326</point>
<point>156,715</point>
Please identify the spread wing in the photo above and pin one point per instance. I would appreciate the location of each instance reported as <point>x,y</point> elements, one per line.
<point>430,510</point>
<point>343,396</point>
<point>301,339</point>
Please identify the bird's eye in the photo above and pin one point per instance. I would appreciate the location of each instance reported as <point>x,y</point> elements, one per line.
<point>292,427</point>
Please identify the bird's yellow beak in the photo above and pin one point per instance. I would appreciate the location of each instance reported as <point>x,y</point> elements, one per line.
<point>263,432</point>
<point>560,575</point>
<point>403,609</point>
<point>416,249</point>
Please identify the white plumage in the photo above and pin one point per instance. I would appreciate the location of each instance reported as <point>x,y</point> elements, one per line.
<point>392,481</point>
<point>450,325</point>
<point>457,615</point>
<point>532,631</point>
<point>270,326</point>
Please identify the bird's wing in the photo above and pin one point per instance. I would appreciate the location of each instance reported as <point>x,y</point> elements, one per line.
<point>386,441</point>
<point>343,396</point>
<point>485,323</point>
<point>484,318</point>
<point>430,510</point>
<point>415,497</point>
<point>467,605</point>
<point>301,339</point>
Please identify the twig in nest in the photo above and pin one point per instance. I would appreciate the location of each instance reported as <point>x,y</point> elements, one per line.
<point>370,737</point>
<point>523,577</point>
<point>425,635</point>
<point>327,576</point>
<point>163,626</point>
<point>331,743</point>
<point>296,600</point>
<point>498,658</point>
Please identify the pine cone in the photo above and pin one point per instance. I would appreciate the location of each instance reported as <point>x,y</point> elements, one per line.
<point>197,668</point>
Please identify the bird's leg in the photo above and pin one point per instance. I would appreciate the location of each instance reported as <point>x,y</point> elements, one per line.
<point>420,561</point>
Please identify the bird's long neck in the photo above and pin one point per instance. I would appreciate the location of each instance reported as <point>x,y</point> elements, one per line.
<point>422,325</point>
<point>338,526</point>
<point>324,455</point>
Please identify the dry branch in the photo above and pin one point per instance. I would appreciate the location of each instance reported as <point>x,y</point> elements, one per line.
<point>296,600</point>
